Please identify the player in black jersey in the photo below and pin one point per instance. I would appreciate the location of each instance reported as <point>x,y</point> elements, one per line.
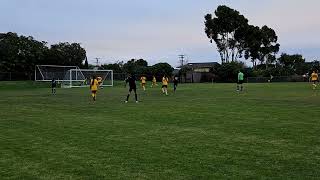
<point>131,79</point>
<point>175,84</point>
<point>53,86</point>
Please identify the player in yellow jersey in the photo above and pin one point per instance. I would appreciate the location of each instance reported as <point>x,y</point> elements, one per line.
<point>154,82</point>
<point>165,82</point>
<point>94,84</point>
<point>314,79</point>
<point>99,79</point>
<point>143,82</point>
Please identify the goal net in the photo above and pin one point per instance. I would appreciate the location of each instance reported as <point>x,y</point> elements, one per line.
<point>72,76</point>
<point>48,72</point>
<point>82,77</point>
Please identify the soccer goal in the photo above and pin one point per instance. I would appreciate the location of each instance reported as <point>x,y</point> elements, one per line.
<point>82,78</point>
<point>72,76</point>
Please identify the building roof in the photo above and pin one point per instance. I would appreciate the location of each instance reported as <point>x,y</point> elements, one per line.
<point>202,64</point>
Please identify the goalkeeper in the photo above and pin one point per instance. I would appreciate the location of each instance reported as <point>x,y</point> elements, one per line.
<point>132,86</point>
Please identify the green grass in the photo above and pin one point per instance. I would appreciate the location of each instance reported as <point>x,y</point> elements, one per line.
<point>205,131</point>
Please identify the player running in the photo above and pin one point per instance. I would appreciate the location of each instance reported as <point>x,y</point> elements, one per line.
<point>154,82</point>
<point>165,82</point>
<point>94,84</point>
<point>143,82</point>
<point>53,86</point>
<point>314,79</point>
<point>240,81</point>
<point>132,86</point>
<point>175,84</point>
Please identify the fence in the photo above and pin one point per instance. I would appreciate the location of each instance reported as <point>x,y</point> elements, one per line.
<point>15,76</point>
<point>23,76</point>
<point>296,78</point>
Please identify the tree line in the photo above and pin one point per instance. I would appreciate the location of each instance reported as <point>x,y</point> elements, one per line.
<point>285,65</point>
<point>22,53</point>
<point>140,67</point>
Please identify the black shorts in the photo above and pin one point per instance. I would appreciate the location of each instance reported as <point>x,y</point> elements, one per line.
<point>164,86</point>
<point>53,86</point>
<point>94,92</point>
<point>143,84</point>
<point>133,88</point>
<point>314,81</point>
<point>240,81</point>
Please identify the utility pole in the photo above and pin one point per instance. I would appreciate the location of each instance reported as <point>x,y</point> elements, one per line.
<point>97,63</point>
<point>181,59</point>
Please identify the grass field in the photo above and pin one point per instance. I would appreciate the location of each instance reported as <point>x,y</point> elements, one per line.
<point>205,131</point>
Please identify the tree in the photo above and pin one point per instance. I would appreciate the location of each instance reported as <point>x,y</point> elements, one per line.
<point>136,66</point>
<point>291,63</point>
<point>8,51</point>
<point>269,45</point>
<point>234,37</point>
<point>66,54</point>
<point>223,29</point>
<point>161,69</point>
<point>141,62</point>
<point>252,40</point>
<point>227,72</point>
<point>116,67</point>
<point>86,64</point>
<point>20,53</point>
<point>130,67</point>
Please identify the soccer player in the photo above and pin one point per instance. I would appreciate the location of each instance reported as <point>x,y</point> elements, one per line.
<point>175,84</point>
<point>53,86</point>
<point>165,82</point>
<point>132,86</point>
<point>94,87</point>
<point>99,79</point>
<point>154,82</point>
<point>143,82</point>
<point>240,81</point>
<point>314,78</point>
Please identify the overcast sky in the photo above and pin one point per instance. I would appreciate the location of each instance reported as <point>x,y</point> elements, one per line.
<point>156,30</point>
